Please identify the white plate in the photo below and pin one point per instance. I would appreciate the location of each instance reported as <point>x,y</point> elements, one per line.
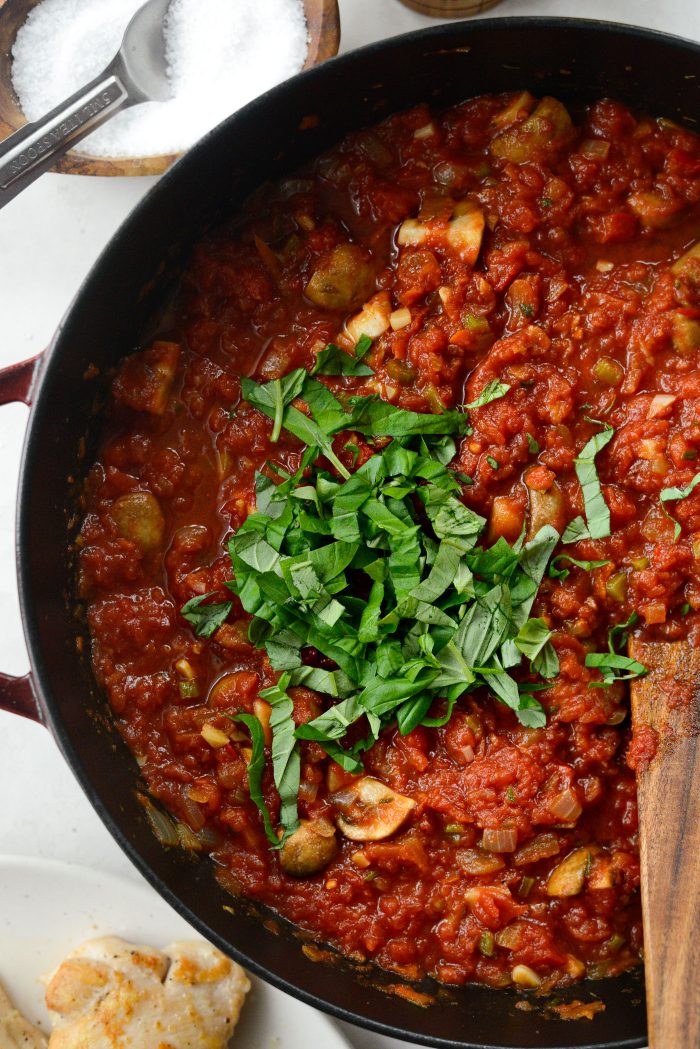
<point>47,908</point>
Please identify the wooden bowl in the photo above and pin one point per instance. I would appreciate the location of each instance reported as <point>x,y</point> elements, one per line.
<point>450,8</point>
<point>323,20</point>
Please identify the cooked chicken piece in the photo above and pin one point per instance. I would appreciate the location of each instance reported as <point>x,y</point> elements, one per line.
<point>15,1031</point>
<point>109,994</point>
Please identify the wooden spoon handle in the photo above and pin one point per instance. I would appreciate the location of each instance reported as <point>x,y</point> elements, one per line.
<point>666,704</point>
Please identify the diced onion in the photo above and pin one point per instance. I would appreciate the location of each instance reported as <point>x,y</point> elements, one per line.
<point>185,669</point>
<point>208,838</point>
<point>427,131</point>
<point>524,976</point>
<point>604,267</point>
<point>308,791</point>
<point>651,447</point>
<point>193,813</point>
<point>214,736</point>
<point>161,824</point>
<point>400,318</point>
<point>566,806</point>
<point>187,838</point>
<point>373,319</point>
<point>505,839</point>
<point>659,405</point>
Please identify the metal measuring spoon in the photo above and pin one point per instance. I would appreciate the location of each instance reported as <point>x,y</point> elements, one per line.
<point>136,74</point>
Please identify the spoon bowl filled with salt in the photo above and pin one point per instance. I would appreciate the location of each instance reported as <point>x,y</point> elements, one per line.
<point>183,66</point>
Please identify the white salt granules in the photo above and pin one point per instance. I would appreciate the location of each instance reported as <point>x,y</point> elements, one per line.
<point>220,54</point>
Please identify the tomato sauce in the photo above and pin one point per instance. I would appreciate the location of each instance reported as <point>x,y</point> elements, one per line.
<point>570,295</point>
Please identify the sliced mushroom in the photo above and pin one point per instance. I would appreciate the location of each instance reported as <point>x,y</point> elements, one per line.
<point>138,517</point>
<point>518,109</point>
<point>568,877</point>
<point>539,137</point>
<point>546,508</point>
<point>652,209</point>
<point>342,279</point>
<point>688,265</point>
<point>370,811</point>
<point>309,849</point>
<point>146,378</point>
<point>373,319</point>
<point>685,333</point>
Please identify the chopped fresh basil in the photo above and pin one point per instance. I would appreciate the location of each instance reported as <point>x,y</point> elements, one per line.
<point>670,495</point>
<point>575,530</point>
<point>334,361</point>
<point>613,667</point>
<point>597,524</point>
<point>256,768</point>
<point>534,641</point>
<point>493,463</point>
<point>363,346</point>
<point>618,634</point>
<point>491,392</point>
<point>285,753</point>
<point>379,572</point>
<point>532,445</point>
<point>563,573</point>
<point>206,619</point>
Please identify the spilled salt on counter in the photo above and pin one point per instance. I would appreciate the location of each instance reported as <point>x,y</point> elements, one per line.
<point>220,55</point>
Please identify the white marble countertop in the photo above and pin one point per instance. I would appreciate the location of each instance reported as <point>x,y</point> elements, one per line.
<point>49,237</point>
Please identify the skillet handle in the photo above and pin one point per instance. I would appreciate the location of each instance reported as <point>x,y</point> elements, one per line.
<point>17,381</point>
<point>17,696</point>
<point>17,693</point>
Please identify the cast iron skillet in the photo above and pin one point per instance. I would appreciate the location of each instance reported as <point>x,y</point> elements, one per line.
<point>576,61</point>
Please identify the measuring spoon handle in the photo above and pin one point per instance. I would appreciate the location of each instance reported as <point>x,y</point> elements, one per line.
<point>32,150</point>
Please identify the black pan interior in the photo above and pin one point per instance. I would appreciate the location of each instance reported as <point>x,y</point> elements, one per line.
<point>574,60</point>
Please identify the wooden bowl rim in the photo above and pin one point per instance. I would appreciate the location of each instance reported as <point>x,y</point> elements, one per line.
<point>324,41</point>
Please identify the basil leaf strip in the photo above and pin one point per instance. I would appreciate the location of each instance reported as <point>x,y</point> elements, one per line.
<point>670,495</point>
<point>286,762</point>
<point>563,573</point>
<point>206,619</point>
<point>334,361</point>
<point>256,767</point>
<point>491,392</point>
<point>597,512</point>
